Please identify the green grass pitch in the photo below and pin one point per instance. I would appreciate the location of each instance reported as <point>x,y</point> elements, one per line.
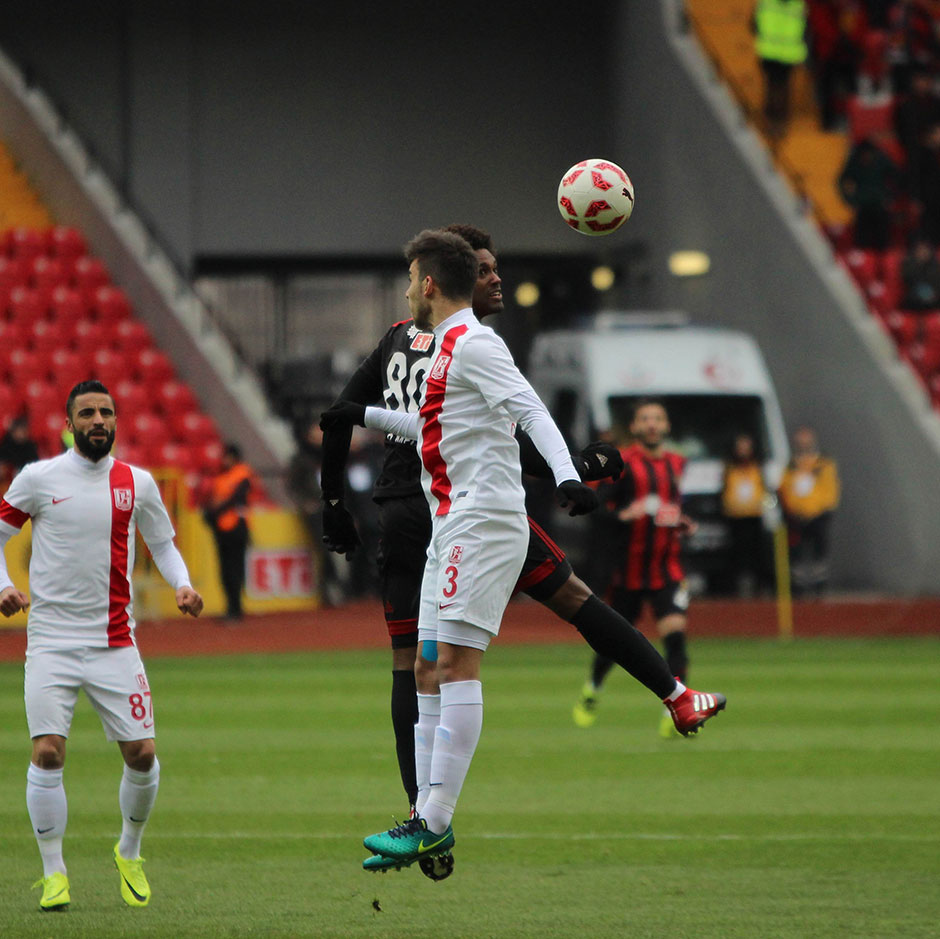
<point>808,809</point>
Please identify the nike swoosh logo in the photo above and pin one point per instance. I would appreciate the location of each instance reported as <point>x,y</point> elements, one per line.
<point>63,499</point>
<point>422,847</point>
<point>42,831</point>
<point>443,606</point>
<point>148,726</point>
<point>138,820</point>
<point>59,894</point>
<point>132,890</point>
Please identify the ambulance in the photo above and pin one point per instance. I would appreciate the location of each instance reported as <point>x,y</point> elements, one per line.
<point>714,383</point>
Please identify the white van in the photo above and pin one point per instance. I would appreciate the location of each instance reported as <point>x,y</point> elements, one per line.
<point>713,381</point>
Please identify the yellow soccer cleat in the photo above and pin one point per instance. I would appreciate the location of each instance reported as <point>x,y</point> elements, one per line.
<point>134,887</point>
<point>55,893</point>
<point>584,712</point>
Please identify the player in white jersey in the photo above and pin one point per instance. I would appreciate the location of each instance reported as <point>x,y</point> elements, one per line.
<point>474,396</point>
<point>85,508</point>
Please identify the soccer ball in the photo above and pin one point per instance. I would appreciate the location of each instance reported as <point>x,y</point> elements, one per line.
<point>595,197</point>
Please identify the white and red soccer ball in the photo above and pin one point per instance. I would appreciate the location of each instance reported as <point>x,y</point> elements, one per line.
<point>595,197</point>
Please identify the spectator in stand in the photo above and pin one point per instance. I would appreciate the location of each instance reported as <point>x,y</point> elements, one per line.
<point>928,186</point>
<point>914,40</point>
<point>226,514</point>
<point>920,275</point>
<point>809,495</point>
<point>742,504</point>
<point>779,29</point>
<point>915,114</point>
<point>303,484</point>
<point>16,450</point>
<point>836,53</point>
<point>868,183</point>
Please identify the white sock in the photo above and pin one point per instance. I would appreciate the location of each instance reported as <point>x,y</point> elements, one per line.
<point>429,716</point>
<point>136,796</point>
<point>680,688</point>
<point>455,741</point>
<point>49,813</point>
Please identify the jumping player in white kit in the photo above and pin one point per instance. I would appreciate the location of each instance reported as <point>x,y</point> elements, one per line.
<point>85,507</point>
<point>474,397</point>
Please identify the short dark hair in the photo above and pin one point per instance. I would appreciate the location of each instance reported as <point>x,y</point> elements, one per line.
<point>478,239</point>
<point>233,450</point>
<point>448,259</point>
<point>83,388</point>
<point>645,403</point>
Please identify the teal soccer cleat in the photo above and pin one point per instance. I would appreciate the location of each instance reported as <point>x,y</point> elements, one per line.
<point>410,841</point>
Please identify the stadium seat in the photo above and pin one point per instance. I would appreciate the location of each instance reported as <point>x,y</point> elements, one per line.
<point>13,335</point>
<point>25,366</point>
<point>41,397</point>
<point>195,428</point>
<point>175,398</point>
<point>27,243</point>
<point>68,368</point>
<point>11,401</point>
<point>13,272</point>
<point>88,274</point>
<point>28,304</point>
<point>86,337</point>
<point>147,430</point>
<point>130,452</point>
<point>47,429</point>
<point>129,335</point>
<point>45,336</point>
<point>863,264</point>
<point>131,398</point>
<point>207,455</point>
<point>109,366</point>
<point>67,243</point>
<point>68,305</point>
<point>110,304</point>
<point>153,367</point>
<point>174,456</point>
<point>904,327</point>
<point>47,273</point>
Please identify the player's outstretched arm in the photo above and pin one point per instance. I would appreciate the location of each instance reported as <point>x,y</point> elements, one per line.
<point>12,601</point>
<point>599,460</point>
<point>188,601</point>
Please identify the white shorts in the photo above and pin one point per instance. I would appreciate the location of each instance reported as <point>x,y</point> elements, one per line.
<point>474,560</point>
<point>113,679</point>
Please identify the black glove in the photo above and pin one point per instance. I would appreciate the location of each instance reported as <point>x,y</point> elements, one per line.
<point>339,529</point>
<point>583,499</point>
<point>343,414</point>
<point>600,460</point>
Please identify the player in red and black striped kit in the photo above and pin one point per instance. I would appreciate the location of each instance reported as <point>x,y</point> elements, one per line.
<point>394,373</point>
<point>644,506</point>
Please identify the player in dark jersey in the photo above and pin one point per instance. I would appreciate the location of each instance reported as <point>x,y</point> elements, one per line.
<point>644,505</point>
<point>394,373</point>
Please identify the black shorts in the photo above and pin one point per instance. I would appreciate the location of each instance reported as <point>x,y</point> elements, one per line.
<point>665,601</point>
<point>546,568</point>
<point>404,533</point>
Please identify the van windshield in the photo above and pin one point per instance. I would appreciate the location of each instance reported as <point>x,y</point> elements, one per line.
<point>703,426</point>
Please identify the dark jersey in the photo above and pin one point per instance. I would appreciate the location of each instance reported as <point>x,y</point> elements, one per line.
<point>392,377</point>
<point>649,546</point>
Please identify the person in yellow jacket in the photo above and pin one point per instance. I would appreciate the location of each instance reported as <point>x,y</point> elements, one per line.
<point>809,495</point>
<point>780,42</point>
<point>226,514</point>
<point>742,504</point>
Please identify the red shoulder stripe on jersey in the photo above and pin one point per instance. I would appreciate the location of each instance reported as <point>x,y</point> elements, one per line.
<point>435,389</point>
<point>121,484</point>
<point>12,515</point>
<point>402,323</point>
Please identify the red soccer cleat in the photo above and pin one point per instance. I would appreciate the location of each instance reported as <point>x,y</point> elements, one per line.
<point>692,708</point>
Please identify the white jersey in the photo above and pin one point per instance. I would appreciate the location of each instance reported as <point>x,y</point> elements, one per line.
<point>84,519</point>
<point>473,397</point>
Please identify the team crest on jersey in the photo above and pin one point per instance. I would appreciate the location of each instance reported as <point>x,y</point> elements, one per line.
<point>456,553</point>
<point>422,342</point>
<point>440,366</point>
<point>142,682</point>
<point>123,499</point>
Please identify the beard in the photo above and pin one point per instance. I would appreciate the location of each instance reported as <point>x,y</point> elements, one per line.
<point>95,448</point>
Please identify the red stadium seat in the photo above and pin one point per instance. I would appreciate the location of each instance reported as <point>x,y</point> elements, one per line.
<point>47,429</point>
<point>129,335</point>
<point>25,366</point>
<point>130,452</point>
<point>27,243</point>
<point>66,243</point>
<point>196,428</point>
<point>68,305</point>
<point>174,456</point>
<point>108,366</point>
<point>207,456</point>
<point>28,304</point>
<point>175,398</point>
<point>13,335</point>
<point>13,272</point>
<point>904,327</point>
<point>130,398</point>
<point>45,336</point>
<point>147,430</point>
<point>864,265</point>
<point>42,397</point>
<point>68,368</point>
<point>48,273</point>
<point>110,304</point>
<point>11,401</point>
<point>89,273</point>
<point>153,367</point>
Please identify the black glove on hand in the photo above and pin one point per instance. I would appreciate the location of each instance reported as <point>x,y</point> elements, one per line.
<point>343,414</point>
<point>600,460</point>
<point>339,529</point>
<point>583,499</point>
